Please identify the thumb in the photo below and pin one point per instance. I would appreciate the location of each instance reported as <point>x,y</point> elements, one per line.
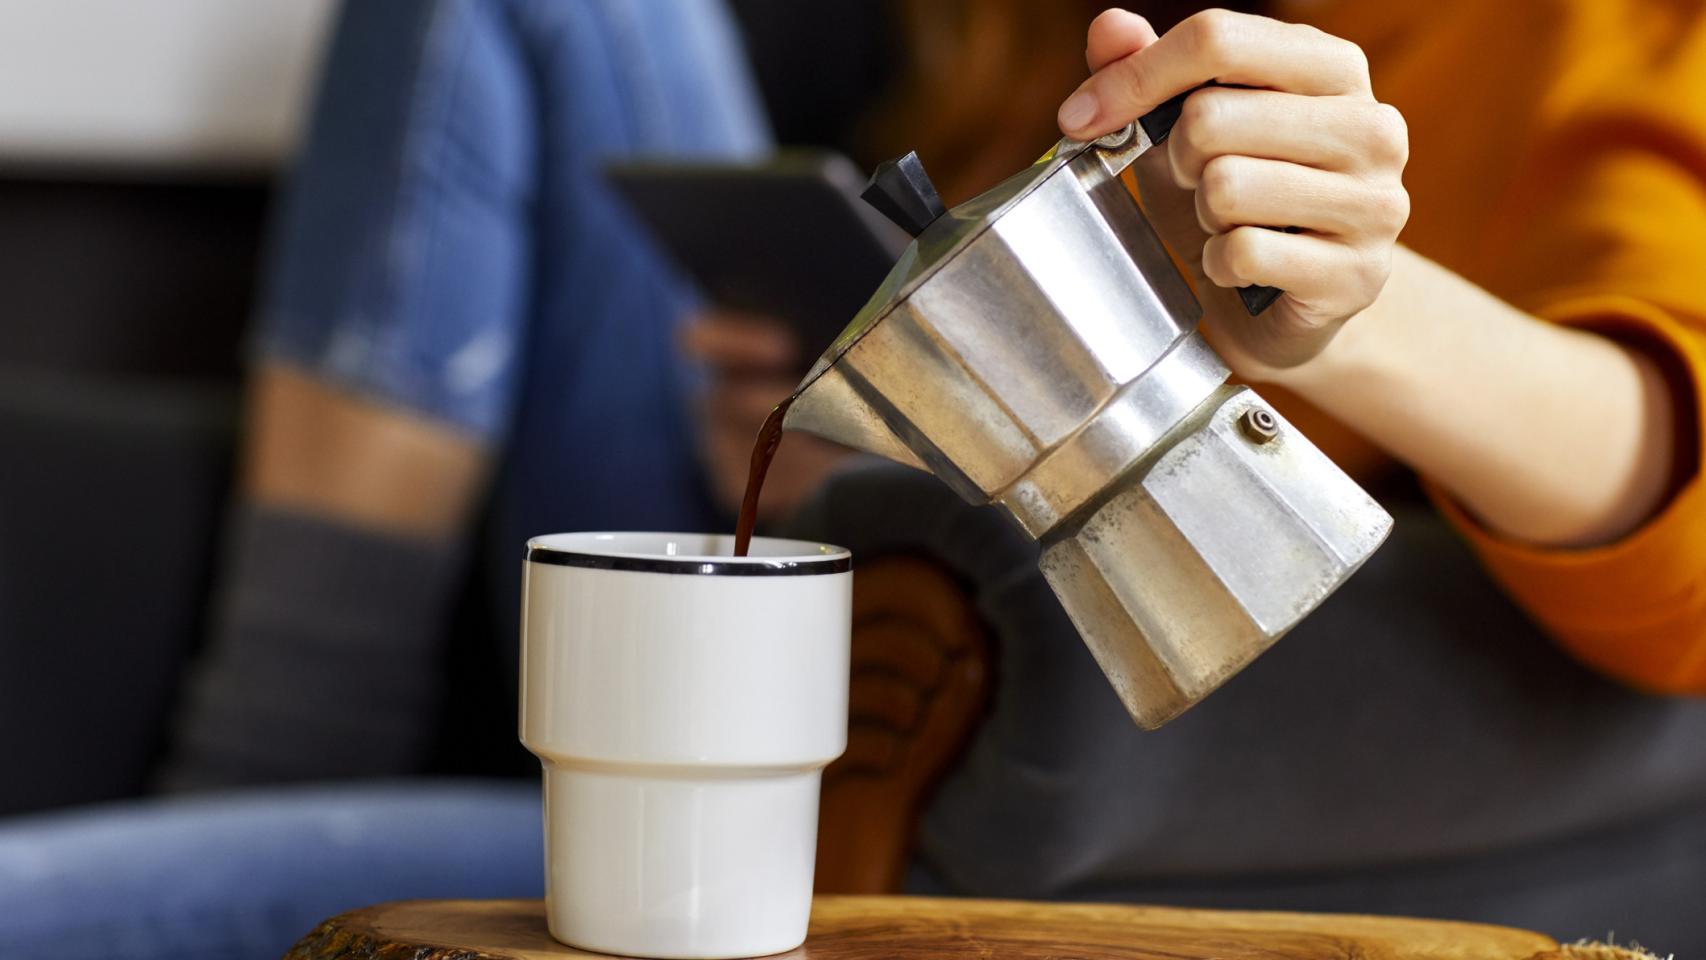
<point>1114,35</point>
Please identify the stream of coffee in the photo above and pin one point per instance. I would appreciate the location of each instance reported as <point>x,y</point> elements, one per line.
<point>763,451</point>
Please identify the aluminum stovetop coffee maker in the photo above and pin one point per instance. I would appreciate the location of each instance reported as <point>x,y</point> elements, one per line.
<point>1036,347</point>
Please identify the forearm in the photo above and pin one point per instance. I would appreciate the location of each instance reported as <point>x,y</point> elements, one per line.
<point>1551,436</point>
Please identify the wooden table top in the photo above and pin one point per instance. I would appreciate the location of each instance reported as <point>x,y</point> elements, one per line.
<point>860,928</point>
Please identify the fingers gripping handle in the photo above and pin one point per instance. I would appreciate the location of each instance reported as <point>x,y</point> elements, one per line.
<point>1258,298</point>
<point>1157,124</point>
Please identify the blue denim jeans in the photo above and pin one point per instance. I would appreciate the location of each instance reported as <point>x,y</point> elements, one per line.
<point>247,874</point>
<point>447,245</point>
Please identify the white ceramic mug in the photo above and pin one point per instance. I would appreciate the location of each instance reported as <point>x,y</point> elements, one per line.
<point>684,704</point>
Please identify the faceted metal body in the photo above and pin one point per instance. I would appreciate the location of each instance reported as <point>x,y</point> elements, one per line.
<point>1037,348</point>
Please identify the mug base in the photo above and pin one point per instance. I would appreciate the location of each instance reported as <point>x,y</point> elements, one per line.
<point>612,951</point>
<point>683,863</point>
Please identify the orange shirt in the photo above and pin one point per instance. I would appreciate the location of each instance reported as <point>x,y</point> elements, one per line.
<point>1558,160</point>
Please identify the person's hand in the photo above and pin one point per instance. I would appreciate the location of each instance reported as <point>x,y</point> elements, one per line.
<point>1294,139</point>
<point>753,363</point>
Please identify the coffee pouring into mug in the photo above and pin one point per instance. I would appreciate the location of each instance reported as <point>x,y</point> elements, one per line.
<point>1036,347</point>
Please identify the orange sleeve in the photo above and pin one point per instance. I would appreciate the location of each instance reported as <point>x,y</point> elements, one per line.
<point>1618,245</point>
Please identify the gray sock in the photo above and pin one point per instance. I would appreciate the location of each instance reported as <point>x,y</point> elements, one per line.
<point>325,659</point>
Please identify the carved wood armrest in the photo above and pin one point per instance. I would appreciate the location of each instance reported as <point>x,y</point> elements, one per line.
<point>920,684</point>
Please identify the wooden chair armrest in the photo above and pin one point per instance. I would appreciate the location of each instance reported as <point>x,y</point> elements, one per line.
<point>920,685</point>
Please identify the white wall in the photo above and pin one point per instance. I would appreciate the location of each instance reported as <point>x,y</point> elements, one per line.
<point>156,82</point>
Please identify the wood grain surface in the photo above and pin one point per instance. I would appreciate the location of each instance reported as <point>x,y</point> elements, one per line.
<point>862,928</point>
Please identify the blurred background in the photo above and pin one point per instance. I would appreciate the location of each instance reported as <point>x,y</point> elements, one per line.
<point>139,147</point>
<point>142,148</point>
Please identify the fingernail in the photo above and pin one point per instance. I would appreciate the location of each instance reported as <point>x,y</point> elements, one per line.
<point>1078,110</point>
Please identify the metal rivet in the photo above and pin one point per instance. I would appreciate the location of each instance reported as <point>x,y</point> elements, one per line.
<point>1259,425</point>
<point>1119,139</point>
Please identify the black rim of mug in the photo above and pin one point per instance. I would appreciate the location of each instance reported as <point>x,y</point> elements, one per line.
<point>753,567</point>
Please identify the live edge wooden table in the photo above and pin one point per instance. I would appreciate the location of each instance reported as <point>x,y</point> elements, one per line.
<point>865,928</point>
